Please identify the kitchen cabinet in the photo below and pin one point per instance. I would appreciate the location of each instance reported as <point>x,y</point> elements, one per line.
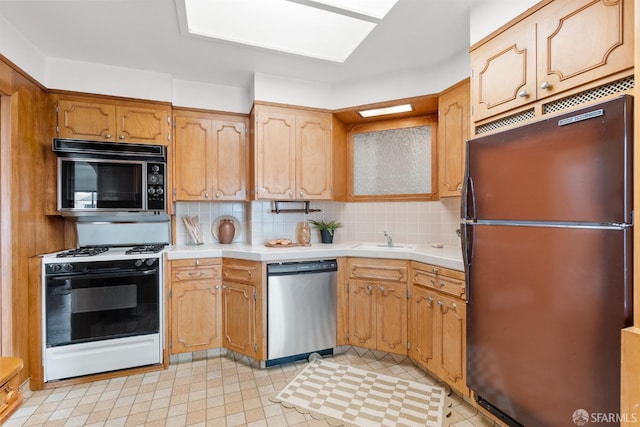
<point>211,157</point>
<point>195,304</point>
<point>560,46</point>
<point>453,132</point>
<point>244,315</point>
<point>10,395</point>
<point>292,154</point>
<point>118,122</point>
<point>437,322</point>
<point>377,293</point>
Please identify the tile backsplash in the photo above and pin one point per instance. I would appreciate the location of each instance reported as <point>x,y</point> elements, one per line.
<point>406,222</point>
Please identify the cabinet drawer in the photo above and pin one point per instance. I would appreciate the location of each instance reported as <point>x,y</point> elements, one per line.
<point>378,269</point>
<point>9,393</point>
<point>196,269</point>
<point>242,272</point>
<point>442,279</point>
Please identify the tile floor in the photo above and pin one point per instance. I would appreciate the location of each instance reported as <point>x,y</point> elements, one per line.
<point>218,391</point>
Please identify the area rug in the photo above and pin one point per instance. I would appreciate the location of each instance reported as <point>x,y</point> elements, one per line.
<point>344,395</point>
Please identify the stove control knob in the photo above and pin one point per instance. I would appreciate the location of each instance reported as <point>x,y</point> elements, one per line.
<point>151,190</point>
<point>55,267</point>
<point>159,190</point>
<point>67,267</point>
<point>150,261</point>
<point>138,262</point>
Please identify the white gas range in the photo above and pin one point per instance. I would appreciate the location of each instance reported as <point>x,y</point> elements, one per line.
<point>103,302</point>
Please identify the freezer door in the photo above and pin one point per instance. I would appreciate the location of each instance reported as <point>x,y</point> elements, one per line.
<point>576,167</point>
<point>546,306</point>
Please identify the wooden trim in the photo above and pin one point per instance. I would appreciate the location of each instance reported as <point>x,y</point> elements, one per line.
<point>5,226</point>
<point>116,100</point>
<point>23,73</point>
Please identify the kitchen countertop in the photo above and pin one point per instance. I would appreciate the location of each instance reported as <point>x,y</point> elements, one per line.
<point>447,257</point>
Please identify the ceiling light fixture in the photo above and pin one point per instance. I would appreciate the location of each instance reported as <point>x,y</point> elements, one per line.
<point>323,29</point>
<point>396,109</point>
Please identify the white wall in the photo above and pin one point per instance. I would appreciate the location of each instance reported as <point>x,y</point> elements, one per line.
<point>486,16</point>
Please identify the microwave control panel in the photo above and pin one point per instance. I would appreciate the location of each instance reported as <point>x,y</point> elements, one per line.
<point>155,186</point>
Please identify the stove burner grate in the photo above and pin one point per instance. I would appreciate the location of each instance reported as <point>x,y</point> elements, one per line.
<point>83,252</point>
<point>145,249</point>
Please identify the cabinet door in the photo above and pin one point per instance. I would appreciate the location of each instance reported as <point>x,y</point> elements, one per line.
<point>362,314</point>
<point>239,317</point>
<point>86,120</point>
<point>453,132</point>
<point>391,317</point>
<point>422,315</point>
<point>196,315</point>
<point>142,125</point>
<point>503,71</point>
<point>230,159</point>
<point>313,156</point>
<point>450,344</point>
<point>581,41</point>
<point>275,155</point>
<point>194,158</point>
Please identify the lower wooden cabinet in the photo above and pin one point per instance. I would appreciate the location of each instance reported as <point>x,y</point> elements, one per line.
<point>195,301</point>
<point>243,311</point>
<point>437,323</point>
<point>377,292</point>
<point>10,395</point>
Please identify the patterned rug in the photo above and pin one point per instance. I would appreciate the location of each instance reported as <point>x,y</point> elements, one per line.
<point>344,395</point>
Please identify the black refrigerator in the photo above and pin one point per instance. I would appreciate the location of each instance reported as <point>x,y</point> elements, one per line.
<point>547,244</point>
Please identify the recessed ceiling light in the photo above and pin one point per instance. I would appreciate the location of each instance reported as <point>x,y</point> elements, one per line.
<point>404,108</point>
<point>281,25</point>
<point>373,8</point>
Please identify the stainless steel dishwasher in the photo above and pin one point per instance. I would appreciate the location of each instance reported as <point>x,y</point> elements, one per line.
<point>301,310</point>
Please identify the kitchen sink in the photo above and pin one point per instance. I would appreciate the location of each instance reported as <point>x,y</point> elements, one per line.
<point>384,246</point>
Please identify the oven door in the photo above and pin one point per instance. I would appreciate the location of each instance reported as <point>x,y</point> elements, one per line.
<point>85,307</point>
<point>101,185</point>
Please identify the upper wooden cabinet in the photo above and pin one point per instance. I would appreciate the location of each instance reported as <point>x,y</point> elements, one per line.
<point>561,46</point>
<point>292,154</point>
<point>453,132</point>
<point>211,153</point>
<point>119,121</point>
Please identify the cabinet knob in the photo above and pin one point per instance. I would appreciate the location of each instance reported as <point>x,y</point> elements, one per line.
<point>430,300</point>
<point>301,194</point>
<point>545,85</point>
<point>108,136</point>
<point>370,288</point>
<point>381,288</point>
<point>121,137</point>
<point>440,303</point>
<point>217,287</point>
<point>206,195</point>
<point>197,262</point>
<point>435,270</point>
<point>459,187</point>
<point>442,284</point>
<point>523,94</point>
<point>218,195</point>
<point>290,193</point>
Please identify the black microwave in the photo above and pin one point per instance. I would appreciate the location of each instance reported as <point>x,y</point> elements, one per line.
<point>109,177</point>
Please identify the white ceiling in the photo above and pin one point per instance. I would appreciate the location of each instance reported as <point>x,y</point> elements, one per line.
<point>145,35</point>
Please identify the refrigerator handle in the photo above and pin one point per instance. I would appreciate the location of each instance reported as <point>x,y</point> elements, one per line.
<point>467,252</point>
<point>468,202</point>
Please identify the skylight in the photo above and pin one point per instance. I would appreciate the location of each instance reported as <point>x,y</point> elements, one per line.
<point>325,29</point>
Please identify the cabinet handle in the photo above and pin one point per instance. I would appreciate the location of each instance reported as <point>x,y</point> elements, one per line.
<point>121,137</point>
<point>381,288</point>
<point>108,136</point>
<point>435,270</point>
<point>290,193</point>
<point>459,187</point>
<point>217,287</point>
<point>454,305</point>
<point>301,194</point>
<point>370,289</point>
<point>195,273</point>
<point>197,262</point>
<point>433,282</point>
<point>218,195</point>
<point>440,303</point>
<point>206,195</point>
<point>442,284</point>
<point>430,300</point>
<point>545,85</point>
<point>523,94</point>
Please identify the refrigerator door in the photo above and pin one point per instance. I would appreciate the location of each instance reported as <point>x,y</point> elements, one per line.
<point>575,167</point>
<point>546,306</point>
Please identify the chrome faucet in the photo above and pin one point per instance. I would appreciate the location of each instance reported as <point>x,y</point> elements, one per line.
<point>389,239</point>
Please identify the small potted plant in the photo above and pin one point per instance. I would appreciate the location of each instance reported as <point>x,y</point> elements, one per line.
<point>327,229</point>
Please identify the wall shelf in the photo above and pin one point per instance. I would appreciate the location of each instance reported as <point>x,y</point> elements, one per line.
<point>277,209</point>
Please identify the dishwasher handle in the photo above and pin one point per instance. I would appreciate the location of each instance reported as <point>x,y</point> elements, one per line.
<point>302,267</point>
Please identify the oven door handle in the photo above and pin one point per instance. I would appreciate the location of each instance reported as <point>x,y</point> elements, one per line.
<point>103,275</point>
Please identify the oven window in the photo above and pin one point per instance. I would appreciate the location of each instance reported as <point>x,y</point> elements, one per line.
<point>96,306</point>
<point>100,185</point>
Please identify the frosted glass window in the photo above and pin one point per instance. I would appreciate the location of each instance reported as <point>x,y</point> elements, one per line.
<point>394,161</point>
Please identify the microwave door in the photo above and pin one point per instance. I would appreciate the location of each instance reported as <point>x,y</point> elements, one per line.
<point>100,185</point>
